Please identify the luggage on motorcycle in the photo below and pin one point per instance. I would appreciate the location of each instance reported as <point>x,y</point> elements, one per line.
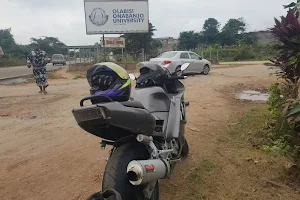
<point>115,120</point>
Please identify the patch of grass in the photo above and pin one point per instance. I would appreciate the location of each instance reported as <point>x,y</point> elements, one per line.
<point>196,179</point>
<point>257,127</point>
<point>251,127</point>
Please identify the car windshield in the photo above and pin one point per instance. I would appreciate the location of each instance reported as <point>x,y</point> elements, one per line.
<point>57,56</point>
<point>167,55</point>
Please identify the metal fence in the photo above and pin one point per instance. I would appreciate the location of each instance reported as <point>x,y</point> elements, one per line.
<point>93,55</point>
<point>236,54</point>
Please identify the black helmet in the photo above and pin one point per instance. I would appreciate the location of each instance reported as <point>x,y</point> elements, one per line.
<point>109,79</point>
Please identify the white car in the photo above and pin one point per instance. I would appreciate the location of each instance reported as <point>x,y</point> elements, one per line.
<point>58,59</point>
<point>174,59</point>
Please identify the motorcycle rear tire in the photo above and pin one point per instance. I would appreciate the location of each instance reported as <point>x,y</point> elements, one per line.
<point>185,149</point>
<point>115,171</point>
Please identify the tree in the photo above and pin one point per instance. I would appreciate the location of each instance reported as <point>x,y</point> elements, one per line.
<point>9,46</point>
<point>155,46</point>
<point>231,31</point>
<point>235,26</point>
<point>51,45</point>
<point>210,30</point>
<point>246,39</point>
<point>7,40</point>
<point>188,40</point>
<point>135,42</point>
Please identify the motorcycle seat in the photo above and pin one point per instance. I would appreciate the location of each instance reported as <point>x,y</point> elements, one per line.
<point>133,104</point>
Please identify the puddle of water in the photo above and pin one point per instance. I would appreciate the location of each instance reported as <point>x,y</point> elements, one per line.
<point>253,95</point>
<point>14,81</point>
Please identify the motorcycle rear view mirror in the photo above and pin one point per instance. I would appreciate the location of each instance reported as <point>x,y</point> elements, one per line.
<point>132,77</point>
<point>184,66</point>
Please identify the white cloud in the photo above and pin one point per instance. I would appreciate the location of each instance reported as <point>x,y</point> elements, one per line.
<point>65,18</point>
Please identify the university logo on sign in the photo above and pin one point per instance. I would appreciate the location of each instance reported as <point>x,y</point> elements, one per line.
<point>98,17</point>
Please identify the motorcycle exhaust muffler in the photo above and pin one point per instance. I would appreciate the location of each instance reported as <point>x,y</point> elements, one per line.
<point>144,171</point>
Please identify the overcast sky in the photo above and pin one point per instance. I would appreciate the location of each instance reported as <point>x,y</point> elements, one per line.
<point>65,18</point>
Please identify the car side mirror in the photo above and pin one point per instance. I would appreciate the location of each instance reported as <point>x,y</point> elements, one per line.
<point>132,77</point>
<point>184,66</point>
<point>200,58</point>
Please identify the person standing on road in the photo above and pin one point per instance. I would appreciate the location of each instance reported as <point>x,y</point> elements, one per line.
<point>37,58</point>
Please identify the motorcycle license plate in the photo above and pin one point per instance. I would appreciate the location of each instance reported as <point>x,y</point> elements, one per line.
<point>89,114</point>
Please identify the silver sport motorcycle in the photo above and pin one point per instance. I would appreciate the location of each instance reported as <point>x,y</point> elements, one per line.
<point>146,133</point>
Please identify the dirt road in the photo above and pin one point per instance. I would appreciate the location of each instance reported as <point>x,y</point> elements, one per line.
<point>45,155</point>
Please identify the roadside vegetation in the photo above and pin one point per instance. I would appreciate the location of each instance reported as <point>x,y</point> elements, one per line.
<point>284,103</point>
<point>242,52</point>
<point>271,166</point>
<point>16,54</point>
<point>275,127</point>
<point>229,43</point>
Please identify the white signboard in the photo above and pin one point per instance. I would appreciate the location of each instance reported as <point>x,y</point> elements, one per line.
<point>113,42</point>
<point>116,16</point>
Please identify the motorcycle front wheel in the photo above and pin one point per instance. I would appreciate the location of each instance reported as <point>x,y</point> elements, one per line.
<point>115,175</point>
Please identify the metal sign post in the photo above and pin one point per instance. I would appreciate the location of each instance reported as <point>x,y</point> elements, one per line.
<point>103,43</point>
<point>98,54</point>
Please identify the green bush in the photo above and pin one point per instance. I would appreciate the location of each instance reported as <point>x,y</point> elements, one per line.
<point>276,99</point>
<point>244,54</point>
<point>236,53</point>
<point>283,133</point>
<point>10,62</point>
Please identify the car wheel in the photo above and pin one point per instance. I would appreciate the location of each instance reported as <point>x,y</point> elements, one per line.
<point>206,70</point>
<point>178,71</point>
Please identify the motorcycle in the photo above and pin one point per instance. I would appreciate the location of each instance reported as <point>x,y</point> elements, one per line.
<point>146,134</point>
